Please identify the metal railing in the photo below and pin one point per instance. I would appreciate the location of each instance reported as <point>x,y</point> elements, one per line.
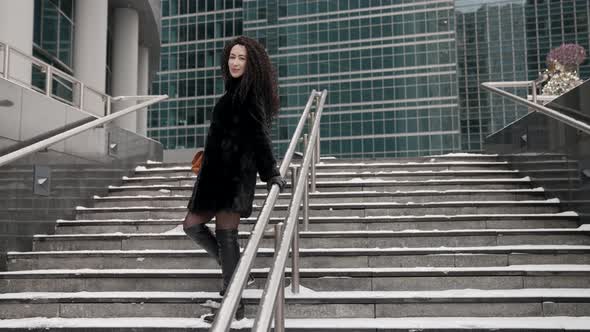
<point>495,88</point>
<point>233,294</point>
<point>10,157</point>
<point>53,79</point>
<point>54,74</point>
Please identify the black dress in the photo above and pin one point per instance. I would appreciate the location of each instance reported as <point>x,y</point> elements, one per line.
<point>238,146</point>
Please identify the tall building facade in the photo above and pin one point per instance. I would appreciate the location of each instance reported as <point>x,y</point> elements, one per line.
<point>403,76</point>
<point>508,40</point>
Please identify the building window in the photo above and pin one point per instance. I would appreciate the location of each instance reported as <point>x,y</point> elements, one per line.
<point>54,32</point>
<point>53,43</point>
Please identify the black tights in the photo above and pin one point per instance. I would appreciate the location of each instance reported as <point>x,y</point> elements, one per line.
<point>223,220</point>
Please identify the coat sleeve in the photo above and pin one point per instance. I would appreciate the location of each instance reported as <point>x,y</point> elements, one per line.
<point>265,160</point>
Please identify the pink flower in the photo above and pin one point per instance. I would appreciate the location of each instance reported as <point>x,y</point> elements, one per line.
<point>567,54</point>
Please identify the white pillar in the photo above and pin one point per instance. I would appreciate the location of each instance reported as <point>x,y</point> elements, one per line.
<point>143,87</point>
<point>125,55</point>
<point>90,50</point>
<point>16,30</point>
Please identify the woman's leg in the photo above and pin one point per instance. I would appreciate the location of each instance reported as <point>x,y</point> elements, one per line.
<point>226,232</point>
<point>194,227</point>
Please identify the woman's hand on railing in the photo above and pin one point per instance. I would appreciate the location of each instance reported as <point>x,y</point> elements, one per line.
<point>277,179</point>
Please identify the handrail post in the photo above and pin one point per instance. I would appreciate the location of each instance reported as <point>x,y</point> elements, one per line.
<point>317,103</point>
<point>48,81</point>
<point>280,304</point>
<point>108,101</point>
<point>317,149</point>
<point>304,173</point>
<point>534,93</point>
<point>6,57</point>
<point>313,155</point>
<point>293,179</point>
<point>295,249</point>
<point>81,96</point>
<point>295,259</point>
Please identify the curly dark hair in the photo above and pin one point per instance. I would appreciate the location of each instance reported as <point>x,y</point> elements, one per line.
<point>259,78</point>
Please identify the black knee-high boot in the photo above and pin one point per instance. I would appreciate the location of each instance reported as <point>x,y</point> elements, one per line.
<point>229,254</point>
<point>203,236</point>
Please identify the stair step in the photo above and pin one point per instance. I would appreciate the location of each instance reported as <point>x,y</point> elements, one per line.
<point>426,324</point>
<point>341,209</point>
<point>158,199</point>
<point>532,302</point>
<point>449,159</point>
<point>357,184</point>
<point>441,222</point>
<point>337,239</point>
<point>325,176</point>
<point>356,279</point>
<point>310,257</point>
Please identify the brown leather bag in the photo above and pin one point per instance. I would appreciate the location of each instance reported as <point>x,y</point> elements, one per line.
<point>197,162</point>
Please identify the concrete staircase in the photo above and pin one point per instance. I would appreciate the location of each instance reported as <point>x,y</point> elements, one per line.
<point>441,243</point>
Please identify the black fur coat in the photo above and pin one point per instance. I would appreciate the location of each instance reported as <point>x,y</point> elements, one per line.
<point>238,145</point>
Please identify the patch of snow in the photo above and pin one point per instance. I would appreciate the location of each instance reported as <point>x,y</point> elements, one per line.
<point>142,178</point>
<point>534,294</point>
<point>124,208</point>
<point>464,154</point>
<point>455,323</point>
<point>140,168</point>
<point>150,162</point>
<point>176,230</point>
<point>510,268</point>
<point>454,250</point>
<point>175,168</point>
<point>113,220</point>
<point>164,190</point>
<point>302,290</point>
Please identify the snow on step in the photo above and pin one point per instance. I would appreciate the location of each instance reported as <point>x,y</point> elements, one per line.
<point>177,231</point>
<point>455,323</point>
<point>524,269</point>
<point>356,164</point>
<point>568,214</point>
<point>544,294</point>
<point>367,205</point>
<point>327,251</point>
<point>348,193</point>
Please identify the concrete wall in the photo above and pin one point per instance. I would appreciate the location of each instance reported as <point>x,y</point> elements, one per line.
<point>80,167</point>
<point>32,114</point>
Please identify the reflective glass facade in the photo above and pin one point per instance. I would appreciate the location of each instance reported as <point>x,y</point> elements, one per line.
<point>54,32</point>
<point>508,40</point>
<point>403,75</point>
<point>389,68</point>
<point>193,36</point>
<point>53,42</point>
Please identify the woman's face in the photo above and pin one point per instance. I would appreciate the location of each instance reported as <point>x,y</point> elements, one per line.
<point>237,61</point>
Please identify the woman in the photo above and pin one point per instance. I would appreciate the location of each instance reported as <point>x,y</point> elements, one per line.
<point>238,146</point>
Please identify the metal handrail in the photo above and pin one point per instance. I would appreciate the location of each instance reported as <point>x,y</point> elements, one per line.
<point>277,272</point>
<point>10,157</point>
<point>493,87</point>
<point>233,293</point>
<point>50,72</point>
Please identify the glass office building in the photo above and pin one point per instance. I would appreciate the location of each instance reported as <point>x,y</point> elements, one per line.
<point>403,75</point>
<point>508,40</point>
